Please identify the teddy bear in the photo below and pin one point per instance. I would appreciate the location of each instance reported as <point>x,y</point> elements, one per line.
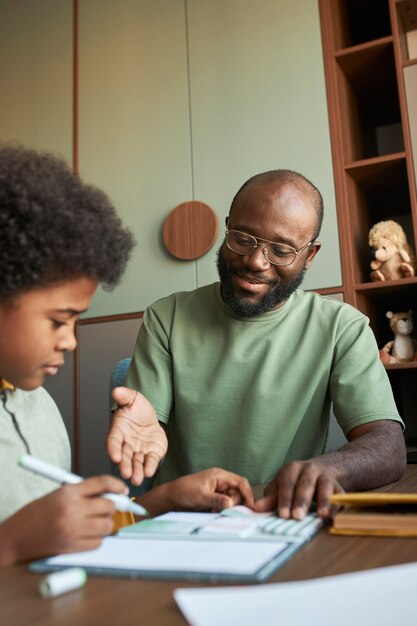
<point>393,256</point>
<point>403,347</point>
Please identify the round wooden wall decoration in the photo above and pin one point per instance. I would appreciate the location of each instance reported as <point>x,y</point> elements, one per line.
<point>190,230</point>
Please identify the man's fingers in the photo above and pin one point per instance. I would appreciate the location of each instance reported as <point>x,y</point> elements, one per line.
<point>325,488</point>
<point>134,406</point>
<point>151,464</point>
<point>126,460</point>
<point>124,396</point>
<point>304,491</point>
<point>144,466</point>
<point>114,444</point>
<point>137,468</point>
<point>286,481</point>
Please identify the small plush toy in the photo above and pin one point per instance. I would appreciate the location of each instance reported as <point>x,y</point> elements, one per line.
<point>402,348</point>
<point>393,257</point>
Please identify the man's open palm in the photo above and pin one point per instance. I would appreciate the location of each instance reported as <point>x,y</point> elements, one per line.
<point>136,442</point>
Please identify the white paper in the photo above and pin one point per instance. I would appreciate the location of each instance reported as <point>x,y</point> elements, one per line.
<point>378,597</point>
<point>187,516</point>
<point>239,523</point>
<point>175,556</point>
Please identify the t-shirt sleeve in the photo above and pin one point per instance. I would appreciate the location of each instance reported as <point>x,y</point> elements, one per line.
<point>359,385</point>
<point>150,370</point>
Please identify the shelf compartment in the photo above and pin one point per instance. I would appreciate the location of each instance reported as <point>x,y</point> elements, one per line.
<point>404,382</point>
<point>401,366</point>
<point>360,21</point>
<point>376,190</point>
<point>376,298</point>
<point>369,101</point>
<point>407,29</point>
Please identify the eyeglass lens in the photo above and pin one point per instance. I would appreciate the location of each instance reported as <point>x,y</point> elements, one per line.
<point>276,253</point>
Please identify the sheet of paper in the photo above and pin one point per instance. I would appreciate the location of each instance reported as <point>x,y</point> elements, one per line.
<point>382,597</point>
<point>187,516</point>
<point>177,556</point>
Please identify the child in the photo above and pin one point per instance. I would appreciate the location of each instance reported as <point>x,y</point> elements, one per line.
<point>60,238</point>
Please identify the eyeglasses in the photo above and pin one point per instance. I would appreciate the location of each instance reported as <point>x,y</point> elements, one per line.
<point>275,253</point>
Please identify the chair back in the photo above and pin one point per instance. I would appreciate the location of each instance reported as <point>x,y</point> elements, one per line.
<point>118,375</point>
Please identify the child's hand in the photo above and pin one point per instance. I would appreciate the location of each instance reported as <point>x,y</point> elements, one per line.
<point>210,490</point>
<point>69,519</point>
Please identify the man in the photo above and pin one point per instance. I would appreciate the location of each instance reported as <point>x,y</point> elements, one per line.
<point>60,238</point>
<point>242,373</point>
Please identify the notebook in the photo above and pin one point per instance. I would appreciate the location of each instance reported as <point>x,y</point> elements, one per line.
<point>382,514</point>
<point>236,546</point>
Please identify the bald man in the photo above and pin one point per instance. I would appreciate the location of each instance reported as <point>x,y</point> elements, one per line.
<point>242,372</point>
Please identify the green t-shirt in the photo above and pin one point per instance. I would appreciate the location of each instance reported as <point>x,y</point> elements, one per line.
<point>250,395</point>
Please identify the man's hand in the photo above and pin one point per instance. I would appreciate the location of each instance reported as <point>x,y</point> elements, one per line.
<point>374,456</point>
<point>136,442</point>
<point>210,490</point>
<point>70,519</point>
<point>293,489</point>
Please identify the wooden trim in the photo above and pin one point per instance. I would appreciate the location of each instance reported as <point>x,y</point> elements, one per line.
<point>75,163</point>
<point>110,318</point>
<point>399,68</point>
<point>328,45</point>
<point>329,291</point>
<point>408,365</point>
<point>76,409</point>
<point>76,400</point>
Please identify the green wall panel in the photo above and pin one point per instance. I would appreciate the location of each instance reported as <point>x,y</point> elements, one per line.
<point>178,100</point>
<point>36,74</point>
<point>134,133</point>
<point>258,102</point>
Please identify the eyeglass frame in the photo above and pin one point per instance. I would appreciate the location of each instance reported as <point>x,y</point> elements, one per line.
<point>265,248</point>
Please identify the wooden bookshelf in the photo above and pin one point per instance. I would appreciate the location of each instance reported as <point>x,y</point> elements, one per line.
<point>366,51</point>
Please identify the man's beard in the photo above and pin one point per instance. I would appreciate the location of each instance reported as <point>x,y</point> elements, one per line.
<point>244,307</point>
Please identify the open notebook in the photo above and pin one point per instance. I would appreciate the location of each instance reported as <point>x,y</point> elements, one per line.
<point>236,545</point>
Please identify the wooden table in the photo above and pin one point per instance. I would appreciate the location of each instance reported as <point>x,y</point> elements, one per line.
<point>121,602</point>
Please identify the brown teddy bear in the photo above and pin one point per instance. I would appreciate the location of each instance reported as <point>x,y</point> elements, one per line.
<point>402,348</point>
<point>394,258</point>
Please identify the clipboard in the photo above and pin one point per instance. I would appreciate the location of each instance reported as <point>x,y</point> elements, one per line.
<point>265,558</point>
<point>186,555</point>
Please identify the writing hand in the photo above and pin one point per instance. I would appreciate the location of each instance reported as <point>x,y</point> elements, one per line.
<point>295,486</point>
<point>136,442</point>
<point>69,519</point>
<point>210,490</point>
